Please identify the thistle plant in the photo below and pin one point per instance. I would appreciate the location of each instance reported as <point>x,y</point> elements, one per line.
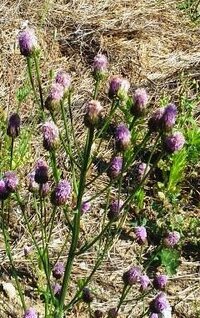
<point>64,191</point>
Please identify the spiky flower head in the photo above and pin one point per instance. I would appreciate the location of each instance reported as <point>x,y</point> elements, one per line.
<point>100,66</point>
<point>87,295</point>
<point>64,79</point>
<point>27,41</point>
<point>119,87</point>
<point>55,96</point>
<point>4,192</point>
<point>174,142</point>
<point>122,137</point>
<point>160,281</point>
<point>30,313</point>
<point>141,234</point>
<point>115,209</point>
<point>50,135</point>
<point>112,313</point>
<point>61,193</point>
<point>140,99</point>
<point>85,207</point>
<point>172,239</point>
<point>93,111</point>
<point>11,181</point>
<point>169,117</point>
<point>132,276</point>
<point>159,303</point>
<point>140,169</point>
<point>13,128</point>
<point>144,282</point>
<point>115,167</point>
<point>56,288</point>
<point>154,122</point>
<point>41,172</point>
<point>58,270</point>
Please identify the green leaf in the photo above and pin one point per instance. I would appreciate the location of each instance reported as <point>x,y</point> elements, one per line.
<point>170,259</point>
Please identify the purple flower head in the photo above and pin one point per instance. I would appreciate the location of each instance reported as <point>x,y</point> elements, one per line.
<point>41,172</point>
<point>115,167</point>
<point>85,207</point>
<point>112,313</point>
<point>93,111</point>
<point>122,137</point>
<point>160,281</point>
<point>155,120</point>
<point>159,303</point>
<point>63,79</point>
<point>144,282</point>
<point>30,313</point>
<point>4,192</point>
<point>87,295</point>
<point>115,209</point>
<point>32,185</point>
<point>100,66</point>
<point>141,234</point>
<point>132,276</point>
<point>171,239</point>
<point>140,100</point>
<point>13,128</point>
<point>11,181</point>
<point>174,142</point>
<point>140,170</point>
<point>61,193</point>
<point>118,87</point>
<point>153,315</point>
<point>55,96</point>
<point>58,270</point>
<point>44,190</point>
<point>56,289</point>
<point>27,41</point>
<point>169,117</point>
<point>50,135</point>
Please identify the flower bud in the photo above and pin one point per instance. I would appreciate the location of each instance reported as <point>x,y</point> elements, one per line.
<point>174,142</point>
<point>119,87</point>
<point>27,42</point>
<point>85,207</point>
<point>140,169</point>
<point>56,288</point>
<point>93,111</point>
<point>115,167</point>
<point>160,281</point>
<point>100,66</point>
<point>171,239</point>
<point>159,303</point>
<point>13,128</point>
<point>154,122</point>
<point>144,282</point>
<point>30,313</point>
<point>44,189</point>
<point>32,185</point>
<point>122,137</point>
<point>140,100</point>
<point>115,209</point>
<point>55,96</point>
<point>11,181</point>
<point>87,295</point>
<point>132,276</point>
<point>58,270</point>
<point>4,192</point>
<point>141,234</point>
<point>41,172</point>
<point>61,193</point>
<point>64,79</point>
<point>169,117</point>
<point>50,136</point>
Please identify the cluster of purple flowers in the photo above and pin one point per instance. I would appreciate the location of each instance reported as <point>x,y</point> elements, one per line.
<point>8,184</point>
<point>50,135</point>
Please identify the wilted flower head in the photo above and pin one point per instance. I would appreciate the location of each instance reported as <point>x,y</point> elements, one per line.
<point>140,169</point>
<point>50,135</point>
<point>115,209</point>
<point>144,282</point>
<point>122,137</point>
<point>58,270</point>
<point>169,117</point>
<point>174,142</point>
<point>132,276</point>
<point>87,295</point>
<point>61,193</point>
<point>41,172</point>
<point>56,289</point>
<point>112,313</point>
<point>159,303</point>
<point>154,122</point>
<point>13,128</point>
<point>63,79</point>
<point>160,281</point>
<point>30,313</point>
<point>93,111</point>
<point>27,42</point>
<point>115,167</point>
<point>85,207</point>
<point>32,185</point>
<point>100,66</point>
<point>118,87</point>
<point>4,192</point>
<point>140,99</point>
<point>171,239</point>
<point>55,96</point>
<point>11,181</point>
<point>141,234</point>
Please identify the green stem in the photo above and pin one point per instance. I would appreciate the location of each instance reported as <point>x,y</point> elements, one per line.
<point>11,152</point>
<point>54,165</point>
<point>39,81</point>
<point>96,88</point>
<point>29,66</point>
<point>125,291</point>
